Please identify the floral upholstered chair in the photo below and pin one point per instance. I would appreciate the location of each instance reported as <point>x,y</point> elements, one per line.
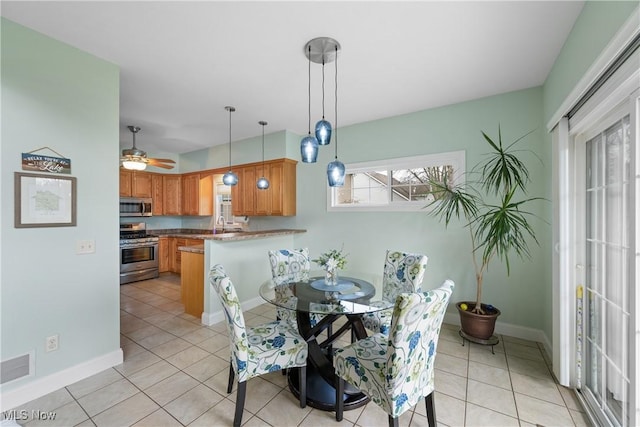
<point>403,272</point>
<point>260,349</point>
<point>397,370</point>
<point>290,265</point>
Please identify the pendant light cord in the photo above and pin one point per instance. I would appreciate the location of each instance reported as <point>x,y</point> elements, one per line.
<point>335,126</point>
<point>323,87</point>
<point>309,56</point>
<point>230,138</point>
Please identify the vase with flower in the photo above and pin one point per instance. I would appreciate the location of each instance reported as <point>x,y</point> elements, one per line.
<point>331,261</point>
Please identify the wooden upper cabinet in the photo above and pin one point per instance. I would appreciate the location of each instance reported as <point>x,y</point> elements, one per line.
<point>125,183</point>
<point>197,194</point>
<point>157,195</point>
<point>135,184</point>
<point>172,194</point>
<point>263,197</point>
<point>278,200</point>
<point>141,184</point>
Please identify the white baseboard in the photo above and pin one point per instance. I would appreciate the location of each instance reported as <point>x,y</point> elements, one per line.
<point>522,332</point>
<point>42,386</point>
<point>218,316</point>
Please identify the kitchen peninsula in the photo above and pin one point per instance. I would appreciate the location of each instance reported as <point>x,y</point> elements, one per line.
<point>244,256</point>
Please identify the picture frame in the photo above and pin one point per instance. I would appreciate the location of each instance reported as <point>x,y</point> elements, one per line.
<point>44,200</point>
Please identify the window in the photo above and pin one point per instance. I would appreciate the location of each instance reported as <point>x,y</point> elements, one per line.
<point>395,184</point>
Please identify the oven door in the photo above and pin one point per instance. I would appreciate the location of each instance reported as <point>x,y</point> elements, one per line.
<point>138,262</point>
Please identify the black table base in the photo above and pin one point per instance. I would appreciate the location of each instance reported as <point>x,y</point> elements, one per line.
<point>321,392</point>
<point>322,395</point>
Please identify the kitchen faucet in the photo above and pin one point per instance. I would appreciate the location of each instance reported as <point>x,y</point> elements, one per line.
<point>221,221</point>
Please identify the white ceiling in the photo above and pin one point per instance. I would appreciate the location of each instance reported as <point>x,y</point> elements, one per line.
<point>182,62</point>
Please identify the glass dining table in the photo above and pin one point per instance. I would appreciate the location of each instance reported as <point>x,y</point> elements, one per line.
<point>344,303</point>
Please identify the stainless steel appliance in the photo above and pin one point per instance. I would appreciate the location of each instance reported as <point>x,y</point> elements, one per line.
<point>134,206</point>
<point>138,253</point>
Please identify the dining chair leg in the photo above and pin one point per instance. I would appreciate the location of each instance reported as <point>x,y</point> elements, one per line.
<point>339,398</point>
<point>431,409</point>
<point>393,422</point>
<point>231,378</point>
<point>240,396</point>
<point>302,386</point>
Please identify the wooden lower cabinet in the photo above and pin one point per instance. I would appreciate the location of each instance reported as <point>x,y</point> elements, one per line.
<point>163,254</point>
<point>192,283</point>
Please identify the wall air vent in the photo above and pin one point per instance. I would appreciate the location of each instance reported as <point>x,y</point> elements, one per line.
<point>15,368</point>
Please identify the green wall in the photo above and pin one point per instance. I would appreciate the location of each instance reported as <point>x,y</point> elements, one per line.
<point>57,96</point>
<point>596,25</point>
<point>366,236</point>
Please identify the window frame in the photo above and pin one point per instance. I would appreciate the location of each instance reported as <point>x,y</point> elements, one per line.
<point>455,158</point>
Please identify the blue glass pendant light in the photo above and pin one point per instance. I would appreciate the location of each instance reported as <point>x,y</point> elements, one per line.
<point>323,127</point>
<point>309,144</point>
<point>335,169</point>
<point>263,183</point>
<point>230,178</point>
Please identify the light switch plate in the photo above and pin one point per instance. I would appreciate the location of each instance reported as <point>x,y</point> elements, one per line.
<point>85,247</point>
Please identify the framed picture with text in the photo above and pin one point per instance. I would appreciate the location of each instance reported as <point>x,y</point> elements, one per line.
<point>44,200</point>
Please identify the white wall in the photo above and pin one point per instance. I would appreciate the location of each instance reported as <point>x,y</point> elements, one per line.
<point>57,96</point>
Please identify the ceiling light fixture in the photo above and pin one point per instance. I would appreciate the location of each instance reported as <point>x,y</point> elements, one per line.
<point>263,183</point>
<point>230,178</point>
<point>309,144</point>
<point>133,158</point>
<point>335,169</point>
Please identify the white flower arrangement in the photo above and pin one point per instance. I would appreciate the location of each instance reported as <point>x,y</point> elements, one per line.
<point>332,260</point>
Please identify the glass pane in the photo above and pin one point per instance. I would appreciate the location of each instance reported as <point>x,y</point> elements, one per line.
<point>593,359</point>
<point>363,188</point>
<point>409,185</point>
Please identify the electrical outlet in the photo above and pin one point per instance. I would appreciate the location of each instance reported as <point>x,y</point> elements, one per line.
<point>85,246</point>
<point>51,343</point>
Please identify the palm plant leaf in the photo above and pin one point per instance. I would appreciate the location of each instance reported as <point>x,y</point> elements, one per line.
<point>504,228</point>
<point>503,170</point>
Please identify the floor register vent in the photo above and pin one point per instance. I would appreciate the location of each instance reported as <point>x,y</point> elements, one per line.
<point>18,367</point>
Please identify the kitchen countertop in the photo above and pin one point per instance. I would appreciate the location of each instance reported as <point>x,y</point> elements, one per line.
<point>197,249</point>
<point>227,236</point>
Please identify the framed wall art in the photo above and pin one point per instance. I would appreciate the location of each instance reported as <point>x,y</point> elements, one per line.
<point>44,200</point>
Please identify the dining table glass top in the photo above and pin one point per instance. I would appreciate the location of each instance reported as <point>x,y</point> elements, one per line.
<point>353,294</point>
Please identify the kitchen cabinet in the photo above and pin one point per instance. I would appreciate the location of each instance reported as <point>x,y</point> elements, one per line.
<point>172,194</point>
<point>175,261</point>
<point>243,193</point>
<point>125,183</point>
<point>135,184</point>
<point>163,254</point>
<point>197,194</point>
<point>141,184</point>
<point>157,194</point>
<point>192,283</point>
<point>278,200</point>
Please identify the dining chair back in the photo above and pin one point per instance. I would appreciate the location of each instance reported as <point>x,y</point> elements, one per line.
<point>397,370</point>
<point>290,265</point>
<point>403,272</point>
<point>257,350</point>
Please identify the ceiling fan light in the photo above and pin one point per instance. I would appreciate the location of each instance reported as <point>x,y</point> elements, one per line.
<point>230,178</point>
<point>135,165</point>
<point>323,132</point>
<point>309,149</point>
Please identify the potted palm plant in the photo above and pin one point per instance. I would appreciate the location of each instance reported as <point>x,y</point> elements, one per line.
<point>497,221</point>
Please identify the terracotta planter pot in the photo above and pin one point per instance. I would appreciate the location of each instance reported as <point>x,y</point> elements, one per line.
<point>479,326</point>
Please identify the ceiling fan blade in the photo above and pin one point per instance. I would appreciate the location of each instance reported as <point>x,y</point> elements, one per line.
<point>161,160</point>
<point>161,165</point>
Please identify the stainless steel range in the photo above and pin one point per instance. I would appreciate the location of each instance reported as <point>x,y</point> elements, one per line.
<point>138,253</point>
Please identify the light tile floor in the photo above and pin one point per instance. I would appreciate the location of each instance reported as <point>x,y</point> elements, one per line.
<point>175,373</point>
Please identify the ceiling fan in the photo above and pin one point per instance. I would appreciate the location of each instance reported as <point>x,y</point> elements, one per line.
<point>136,159</point>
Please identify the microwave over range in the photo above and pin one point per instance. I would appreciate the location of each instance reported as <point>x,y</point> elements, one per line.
<point>135,206</point>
